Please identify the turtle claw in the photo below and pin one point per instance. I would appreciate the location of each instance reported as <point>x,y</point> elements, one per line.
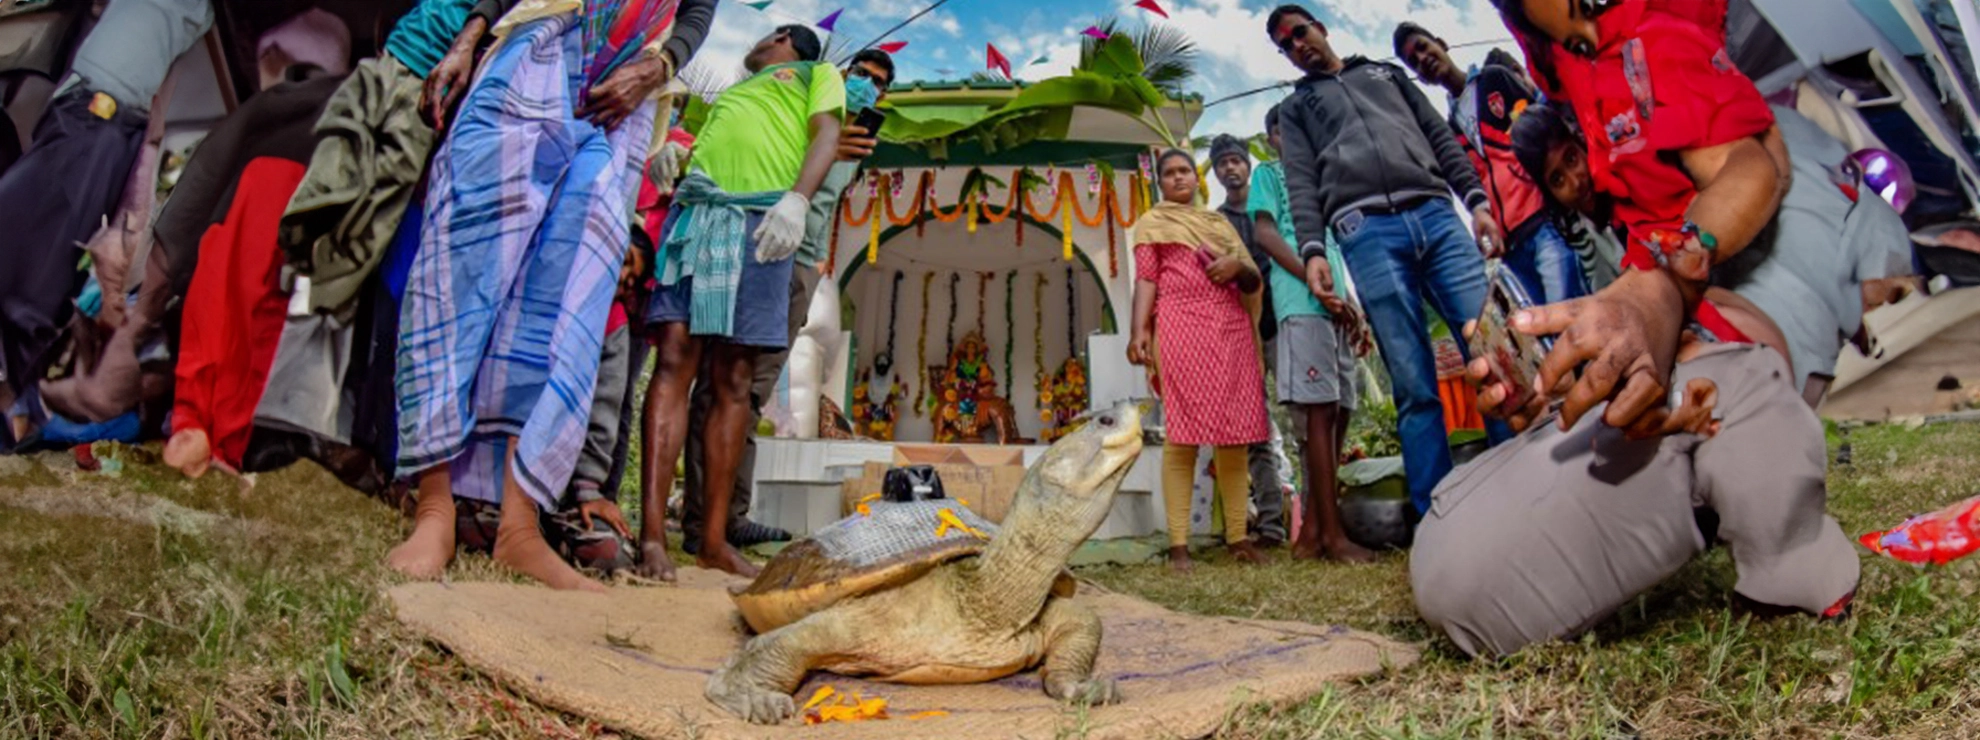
<point>769,708</point>
<point>1091,692</point>
<point>755,705</point>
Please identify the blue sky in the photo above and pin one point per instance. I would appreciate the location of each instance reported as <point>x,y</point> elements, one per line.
<point>1233,54</point>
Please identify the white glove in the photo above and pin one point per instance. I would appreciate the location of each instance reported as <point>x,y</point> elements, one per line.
<point>664,167</point>
<point>782,229</point>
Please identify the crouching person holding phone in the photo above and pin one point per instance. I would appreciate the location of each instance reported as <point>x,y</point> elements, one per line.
<point>1545,536</point>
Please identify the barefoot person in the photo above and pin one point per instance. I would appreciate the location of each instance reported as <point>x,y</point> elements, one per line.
<point>507,302</point>
<point>1314,361</point>
<point>1195,299</point>
<point>725,272</point>
<point>1369,161</point>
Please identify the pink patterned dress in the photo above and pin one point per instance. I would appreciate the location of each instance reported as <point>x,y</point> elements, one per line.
<point>1212,386</point>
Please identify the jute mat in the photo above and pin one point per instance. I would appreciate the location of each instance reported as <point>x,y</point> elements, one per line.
<point>636,659</point>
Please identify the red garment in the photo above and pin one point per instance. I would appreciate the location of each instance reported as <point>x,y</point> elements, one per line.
<point>234,311</point>
<point>1662,83</point>
<point>1212,385</point>
<point>1483,118</point>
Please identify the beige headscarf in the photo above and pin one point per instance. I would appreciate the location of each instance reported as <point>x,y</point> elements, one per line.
<point>1196,228</point>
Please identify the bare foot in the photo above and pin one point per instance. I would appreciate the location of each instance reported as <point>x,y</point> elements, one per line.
<point>725,558</point>
<point>189,451</point>
<point>1345,551</point>
<point>655,564</point>
<point>426,553</point>
<point>1307,550</point>
<point>1245,552</point>
<point>519,544</point>
<point>1179,560</point>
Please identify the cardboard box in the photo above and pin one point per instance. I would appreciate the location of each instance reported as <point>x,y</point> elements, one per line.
<point>988,489</point>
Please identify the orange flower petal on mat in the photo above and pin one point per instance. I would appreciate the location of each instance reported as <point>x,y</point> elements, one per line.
<point>930,714</point>
<point>823,693</point>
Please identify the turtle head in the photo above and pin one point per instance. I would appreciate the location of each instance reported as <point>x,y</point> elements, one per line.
<point>1081,472</point>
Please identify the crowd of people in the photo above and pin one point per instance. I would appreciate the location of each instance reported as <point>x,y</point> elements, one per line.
<point>441,270</point>
<point>1697,256</point>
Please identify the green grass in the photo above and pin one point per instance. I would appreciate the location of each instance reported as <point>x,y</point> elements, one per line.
<point>144,606</point>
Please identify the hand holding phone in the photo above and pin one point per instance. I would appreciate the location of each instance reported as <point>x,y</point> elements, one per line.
<point>870,119</point>
<point>1513,357</point>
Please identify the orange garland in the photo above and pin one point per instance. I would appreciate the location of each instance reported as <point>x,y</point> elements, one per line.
<point>923,204</point>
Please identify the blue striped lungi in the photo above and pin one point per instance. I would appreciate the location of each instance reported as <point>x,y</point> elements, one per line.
<point>527,217</point>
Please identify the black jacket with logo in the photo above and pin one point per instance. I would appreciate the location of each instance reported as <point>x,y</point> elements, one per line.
<point>1366,137</point>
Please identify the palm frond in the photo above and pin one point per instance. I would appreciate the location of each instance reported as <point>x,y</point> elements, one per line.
<point>984,75</point>
<point>1168,55</point>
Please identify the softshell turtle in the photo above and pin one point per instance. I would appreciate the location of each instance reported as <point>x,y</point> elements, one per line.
<point>909,606</point>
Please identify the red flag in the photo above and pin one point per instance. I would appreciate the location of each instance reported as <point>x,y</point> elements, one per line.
<point>892,47</point>
<point>1152,7</point>
<point>996,61</point>
<point>1095,33</point>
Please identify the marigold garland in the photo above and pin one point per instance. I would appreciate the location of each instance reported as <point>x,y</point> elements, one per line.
<point>1038,334</point>
<point>892,215</point>
<point>982,298</point>
<point>1010,321</point>
<point>1113,251</point>
<point>832,249</point>
<point>921,345</point>
<point>1065,235</point>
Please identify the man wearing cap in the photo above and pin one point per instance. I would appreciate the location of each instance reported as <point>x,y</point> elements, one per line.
<point>1483,103</point>
<point>1368,159</point>
<point>1231,160</point>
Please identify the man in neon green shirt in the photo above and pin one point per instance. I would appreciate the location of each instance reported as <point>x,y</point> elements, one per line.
<point>867,76</point>
<point>725,261</point>
<point>1314,361</point>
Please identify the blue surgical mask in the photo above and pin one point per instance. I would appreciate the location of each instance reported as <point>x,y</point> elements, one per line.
<point>860,94</point>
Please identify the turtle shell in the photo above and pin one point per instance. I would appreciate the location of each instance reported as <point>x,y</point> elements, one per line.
<point>893,543</point>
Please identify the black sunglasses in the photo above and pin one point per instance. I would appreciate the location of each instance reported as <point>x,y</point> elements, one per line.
<point>1297,33</point>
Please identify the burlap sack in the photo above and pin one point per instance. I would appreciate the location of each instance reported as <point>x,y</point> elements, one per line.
<point>636,659</point>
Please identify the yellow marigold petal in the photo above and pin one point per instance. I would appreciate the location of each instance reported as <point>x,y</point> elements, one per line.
<point>930,714</point>
<point>818,697</point>
<point>869,498</point>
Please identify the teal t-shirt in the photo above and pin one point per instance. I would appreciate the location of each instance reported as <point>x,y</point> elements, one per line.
<point>426,32</point>
<point>1290,296</point>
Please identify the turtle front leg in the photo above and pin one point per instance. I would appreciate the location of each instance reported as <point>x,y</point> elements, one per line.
<point>1072,644</point>
<point>756,682</point>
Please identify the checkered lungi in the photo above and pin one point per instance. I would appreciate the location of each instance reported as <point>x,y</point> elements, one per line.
<point>527,224</point>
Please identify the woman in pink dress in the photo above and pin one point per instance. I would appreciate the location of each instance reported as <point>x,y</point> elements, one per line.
<point>1196,299</point>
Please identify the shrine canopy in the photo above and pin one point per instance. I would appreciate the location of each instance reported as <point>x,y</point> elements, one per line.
<point>1106,111</point>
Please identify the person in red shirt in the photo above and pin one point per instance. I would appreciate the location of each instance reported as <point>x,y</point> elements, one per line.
<point>1543,537</point>
<point>1687,149</point>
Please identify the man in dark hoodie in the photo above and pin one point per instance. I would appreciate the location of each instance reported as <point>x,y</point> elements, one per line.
<point>1369,158</point>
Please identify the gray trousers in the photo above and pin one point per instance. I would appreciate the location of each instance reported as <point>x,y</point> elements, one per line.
<point>603,432</point>
<point>764,383</point>
<point>1266,495</point>
<point>1546,535</point>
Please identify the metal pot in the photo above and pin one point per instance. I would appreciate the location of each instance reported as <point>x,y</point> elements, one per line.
<point>1377,521</point>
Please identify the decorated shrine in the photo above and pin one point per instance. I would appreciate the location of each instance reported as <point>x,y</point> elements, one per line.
<point>978,284</point>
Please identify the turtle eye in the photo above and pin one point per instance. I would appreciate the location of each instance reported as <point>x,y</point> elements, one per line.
<point>1107,421</point>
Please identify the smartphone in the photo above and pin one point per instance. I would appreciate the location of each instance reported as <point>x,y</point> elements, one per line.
<point>870,119</point>
<point>1514,357</point>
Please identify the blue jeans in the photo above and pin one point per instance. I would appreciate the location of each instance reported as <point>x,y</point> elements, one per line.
<point>1547,266</point>
<point>1398,261</point>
